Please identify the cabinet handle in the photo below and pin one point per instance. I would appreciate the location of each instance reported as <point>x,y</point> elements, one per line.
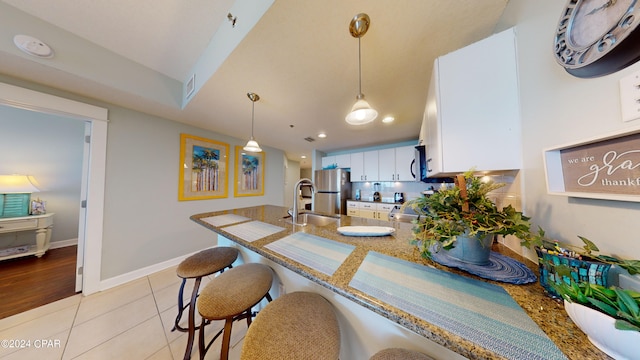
<point>428,161</point>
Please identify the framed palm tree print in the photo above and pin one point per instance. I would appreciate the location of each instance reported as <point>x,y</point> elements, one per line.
<point>249,170</point>
<point>203,168</point>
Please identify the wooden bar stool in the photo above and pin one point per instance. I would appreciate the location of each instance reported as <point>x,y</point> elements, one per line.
<point>230,297</point>
<point>399,354</point>
<point>295,326</point>
<point>196,266</point>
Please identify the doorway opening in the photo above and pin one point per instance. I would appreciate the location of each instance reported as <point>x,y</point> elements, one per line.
<point>93,173</point>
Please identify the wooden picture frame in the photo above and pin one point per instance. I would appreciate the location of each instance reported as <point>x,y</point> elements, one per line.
<point>605,167</point>
<point>249,173</point>
<point>203,169</point>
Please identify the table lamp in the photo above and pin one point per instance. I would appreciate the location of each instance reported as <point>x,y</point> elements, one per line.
<point>15,195</point>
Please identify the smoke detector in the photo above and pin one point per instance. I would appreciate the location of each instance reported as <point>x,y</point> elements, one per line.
<point>33,46</point>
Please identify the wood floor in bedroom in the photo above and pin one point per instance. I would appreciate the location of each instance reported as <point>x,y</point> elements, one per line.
<point>29,282</point>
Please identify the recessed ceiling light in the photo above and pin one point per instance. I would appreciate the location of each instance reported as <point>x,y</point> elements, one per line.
<point>33,46</point>
<point>388,119</point>
<point>322,135</point>
<point>304,156</point>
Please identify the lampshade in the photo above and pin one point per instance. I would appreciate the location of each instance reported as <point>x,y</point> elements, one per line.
<point>361,113</point>
<point>17,184</point>
<point>252,146</point>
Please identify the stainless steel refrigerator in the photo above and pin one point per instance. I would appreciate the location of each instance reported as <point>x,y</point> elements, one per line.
<point>333,188</point>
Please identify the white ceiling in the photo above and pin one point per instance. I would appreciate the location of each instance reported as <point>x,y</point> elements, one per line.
<point>299,57</point>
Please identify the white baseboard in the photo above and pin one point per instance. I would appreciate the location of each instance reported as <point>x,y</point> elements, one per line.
<point>137,274</point>
<point>63,243</point>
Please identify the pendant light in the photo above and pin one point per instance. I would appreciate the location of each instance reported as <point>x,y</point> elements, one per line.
<point>361,112</point>
<point>252,145</point>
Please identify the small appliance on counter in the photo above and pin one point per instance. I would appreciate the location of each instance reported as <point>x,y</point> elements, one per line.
<point>376,194</point>
<point>358,194</point>
<point>398,197</point>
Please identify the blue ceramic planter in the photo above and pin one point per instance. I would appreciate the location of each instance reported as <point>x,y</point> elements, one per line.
<point>473,250</point>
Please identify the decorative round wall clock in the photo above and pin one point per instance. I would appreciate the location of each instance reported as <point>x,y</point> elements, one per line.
<point>597,37</point>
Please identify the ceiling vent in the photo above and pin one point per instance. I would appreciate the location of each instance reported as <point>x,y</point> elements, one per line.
<point>310,139</point>
<point>191,86</point>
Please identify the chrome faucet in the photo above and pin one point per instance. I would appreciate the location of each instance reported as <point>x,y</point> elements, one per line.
<point>296,189</point>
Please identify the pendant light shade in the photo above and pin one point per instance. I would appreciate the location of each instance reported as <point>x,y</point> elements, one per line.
<point>252,145</point>
<point>361,112</point>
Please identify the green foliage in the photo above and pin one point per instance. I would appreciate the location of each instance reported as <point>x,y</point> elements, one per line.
<point>442,218</point>
<point>621,304</point>
<point>586,252</point>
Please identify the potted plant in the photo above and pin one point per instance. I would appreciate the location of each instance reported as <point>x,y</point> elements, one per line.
<point>610,316</point>
<point>565,263</point>
<point>463,220</point>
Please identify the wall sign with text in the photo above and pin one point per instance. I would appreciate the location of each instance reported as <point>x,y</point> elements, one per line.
<point>604,168</point>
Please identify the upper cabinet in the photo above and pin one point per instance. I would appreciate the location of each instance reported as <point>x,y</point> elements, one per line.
<point>472,116</point>
<point>391,164</point>
<point>395,164</point>
<point>336,161</point>
<point>364,166</point>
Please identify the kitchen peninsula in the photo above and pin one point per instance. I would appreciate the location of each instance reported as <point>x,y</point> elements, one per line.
<point>264,230</point>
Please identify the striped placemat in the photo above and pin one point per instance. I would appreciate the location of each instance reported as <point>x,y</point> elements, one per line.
<point>253,230</point>
<point>478,311</point>
<point>313,251</point>
<point>226,219</point>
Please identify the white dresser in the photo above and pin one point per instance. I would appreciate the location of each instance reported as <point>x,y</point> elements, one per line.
<point>41,224</point>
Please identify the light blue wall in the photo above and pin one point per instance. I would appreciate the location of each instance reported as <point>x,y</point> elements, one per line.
<point>558,109</point>
<point>50,149</point>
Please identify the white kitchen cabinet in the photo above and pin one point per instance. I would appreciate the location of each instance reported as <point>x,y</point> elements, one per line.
<point>371,165</point>
<point>382,210</point>
<point>369,210</point>
<point>472,117</point>
<point>395,163</point>
<point>328,161</point>
<point>341,161</point>
<point>387,164</point>
<point>364,166</point>
<point>353,208</point>
<point>357,167</point>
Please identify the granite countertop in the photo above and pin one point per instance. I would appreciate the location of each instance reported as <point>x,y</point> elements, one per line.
<point>547,313</point>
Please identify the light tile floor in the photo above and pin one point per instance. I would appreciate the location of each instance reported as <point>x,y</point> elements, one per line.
<point>131,321</point>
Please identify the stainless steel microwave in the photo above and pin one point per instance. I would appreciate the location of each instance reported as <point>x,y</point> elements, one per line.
<point>421,167</point>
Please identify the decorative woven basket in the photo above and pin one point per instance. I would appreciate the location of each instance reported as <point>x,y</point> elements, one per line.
<point>581,271</point>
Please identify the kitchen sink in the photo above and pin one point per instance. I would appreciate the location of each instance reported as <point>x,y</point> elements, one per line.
<point>408,214</point>
<point>314,219</point>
